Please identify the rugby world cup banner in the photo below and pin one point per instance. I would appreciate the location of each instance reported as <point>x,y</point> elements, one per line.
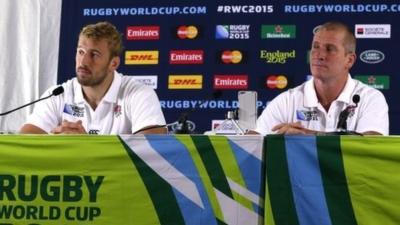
<point>130,180</point>
<point>332,180</point>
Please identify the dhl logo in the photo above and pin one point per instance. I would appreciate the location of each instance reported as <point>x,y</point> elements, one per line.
<point>141,57</point>
<point>185,81</point>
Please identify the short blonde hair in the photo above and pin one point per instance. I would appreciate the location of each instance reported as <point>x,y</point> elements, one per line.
<point>107,31</point>
<point>349,41</point>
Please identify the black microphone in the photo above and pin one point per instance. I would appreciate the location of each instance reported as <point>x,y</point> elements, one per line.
<point>58,90</point>
<point>342,123</point>
<point>183,125</point>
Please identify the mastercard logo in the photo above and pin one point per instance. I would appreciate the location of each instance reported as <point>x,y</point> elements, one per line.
<point>187,32</point>
<point>273,82</point>
<point>234,56</point>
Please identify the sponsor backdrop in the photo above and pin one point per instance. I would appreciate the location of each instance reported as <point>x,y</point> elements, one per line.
<point>197,55</point>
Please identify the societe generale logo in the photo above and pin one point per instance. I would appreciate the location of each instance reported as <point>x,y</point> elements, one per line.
<point>186,57</point>
<point>231,81</point>
<point>187,32</point>
<point>372,30</point>
<point>185,81</point>
<point>231,56</point>
<point>141,57</point>
<point>143,33</point>
<point>276,81</point>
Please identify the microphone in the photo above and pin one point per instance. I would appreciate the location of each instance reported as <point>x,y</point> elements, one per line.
<point>183,125</point>
<point>57,91</point>
<point>342,123</point>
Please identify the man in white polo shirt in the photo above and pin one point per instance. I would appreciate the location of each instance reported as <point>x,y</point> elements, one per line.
<point>98,100</point>
<point>314,107</point>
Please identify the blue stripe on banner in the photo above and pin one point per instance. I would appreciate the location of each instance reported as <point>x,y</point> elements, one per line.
<point>178,156</point>
<point>249,166</point>
<point>305,177</point>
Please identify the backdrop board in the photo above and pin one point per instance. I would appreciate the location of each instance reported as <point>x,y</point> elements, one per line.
<point>199,54</point>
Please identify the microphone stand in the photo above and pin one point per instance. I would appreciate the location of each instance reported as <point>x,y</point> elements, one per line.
<point>183,124</point>
<point>55,92</point>
<point>342,124</point>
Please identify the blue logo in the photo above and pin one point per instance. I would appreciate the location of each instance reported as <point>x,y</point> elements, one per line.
<point>222,32</point>
<point>304,115</point>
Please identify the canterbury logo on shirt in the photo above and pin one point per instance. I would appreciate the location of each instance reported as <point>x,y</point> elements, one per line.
<point>305,115</point>
<point>74,110</point>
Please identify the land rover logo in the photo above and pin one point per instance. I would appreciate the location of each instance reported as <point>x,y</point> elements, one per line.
<point>372,56</point>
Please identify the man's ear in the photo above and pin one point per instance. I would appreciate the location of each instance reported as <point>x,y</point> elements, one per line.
<point>351,60</point>
<point>115,61</point>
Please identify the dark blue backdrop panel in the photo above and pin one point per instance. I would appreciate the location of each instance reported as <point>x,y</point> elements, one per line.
<point>203,105</point>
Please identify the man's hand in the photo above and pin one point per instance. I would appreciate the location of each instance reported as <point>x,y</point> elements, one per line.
<point>67,127</point>
<point>292,128</point>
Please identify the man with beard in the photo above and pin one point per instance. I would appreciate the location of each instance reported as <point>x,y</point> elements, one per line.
<point>98,100</point>
<point>315,106</point>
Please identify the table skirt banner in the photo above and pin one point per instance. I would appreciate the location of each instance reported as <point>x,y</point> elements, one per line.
<point>332,180</point>
<point>174,179</point>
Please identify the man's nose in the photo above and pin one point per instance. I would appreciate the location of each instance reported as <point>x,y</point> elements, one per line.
<point>83,59</point>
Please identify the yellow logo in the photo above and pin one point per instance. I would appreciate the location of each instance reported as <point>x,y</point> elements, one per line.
<point>141,57</point>
<point>185,81</point>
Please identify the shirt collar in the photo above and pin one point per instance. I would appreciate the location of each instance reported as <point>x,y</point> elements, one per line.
<point>110,96</point>
<point>311,99</point>
<point>112,93</point>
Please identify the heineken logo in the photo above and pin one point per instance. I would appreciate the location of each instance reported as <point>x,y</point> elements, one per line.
<point>278,31</point>
<point>381,82</point>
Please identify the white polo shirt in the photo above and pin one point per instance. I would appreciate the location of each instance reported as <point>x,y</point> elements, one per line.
<point>301,104</point>
<point>126,107</point>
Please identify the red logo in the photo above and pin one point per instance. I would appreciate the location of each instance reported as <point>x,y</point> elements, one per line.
<point>230,81</point>
<point>233,56</point>
<point>276,81</point>
<point>186,57</point>
<point>143,33</point>
<point>187,32</point>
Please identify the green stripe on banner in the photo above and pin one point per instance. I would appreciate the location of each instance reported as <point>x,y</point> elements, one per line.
<point>334,180</point>
<point>278,182</point>
<point>230,166</point>
<point>268,215</point>
<point>372,165</point>
<point>212,164</point>
<point>188,142</point>
<point>160,191</point>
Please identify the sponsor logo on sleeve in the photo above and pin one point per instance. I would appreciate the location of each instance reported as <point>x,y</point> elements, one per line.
<point>143,33</point>
<point>231,81</point>
<point>278,31</point>
<point>185,81</point>
<point>372,56</point>
<point>186,57</point>
<point>141,57</point>
<point>372,30</point>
